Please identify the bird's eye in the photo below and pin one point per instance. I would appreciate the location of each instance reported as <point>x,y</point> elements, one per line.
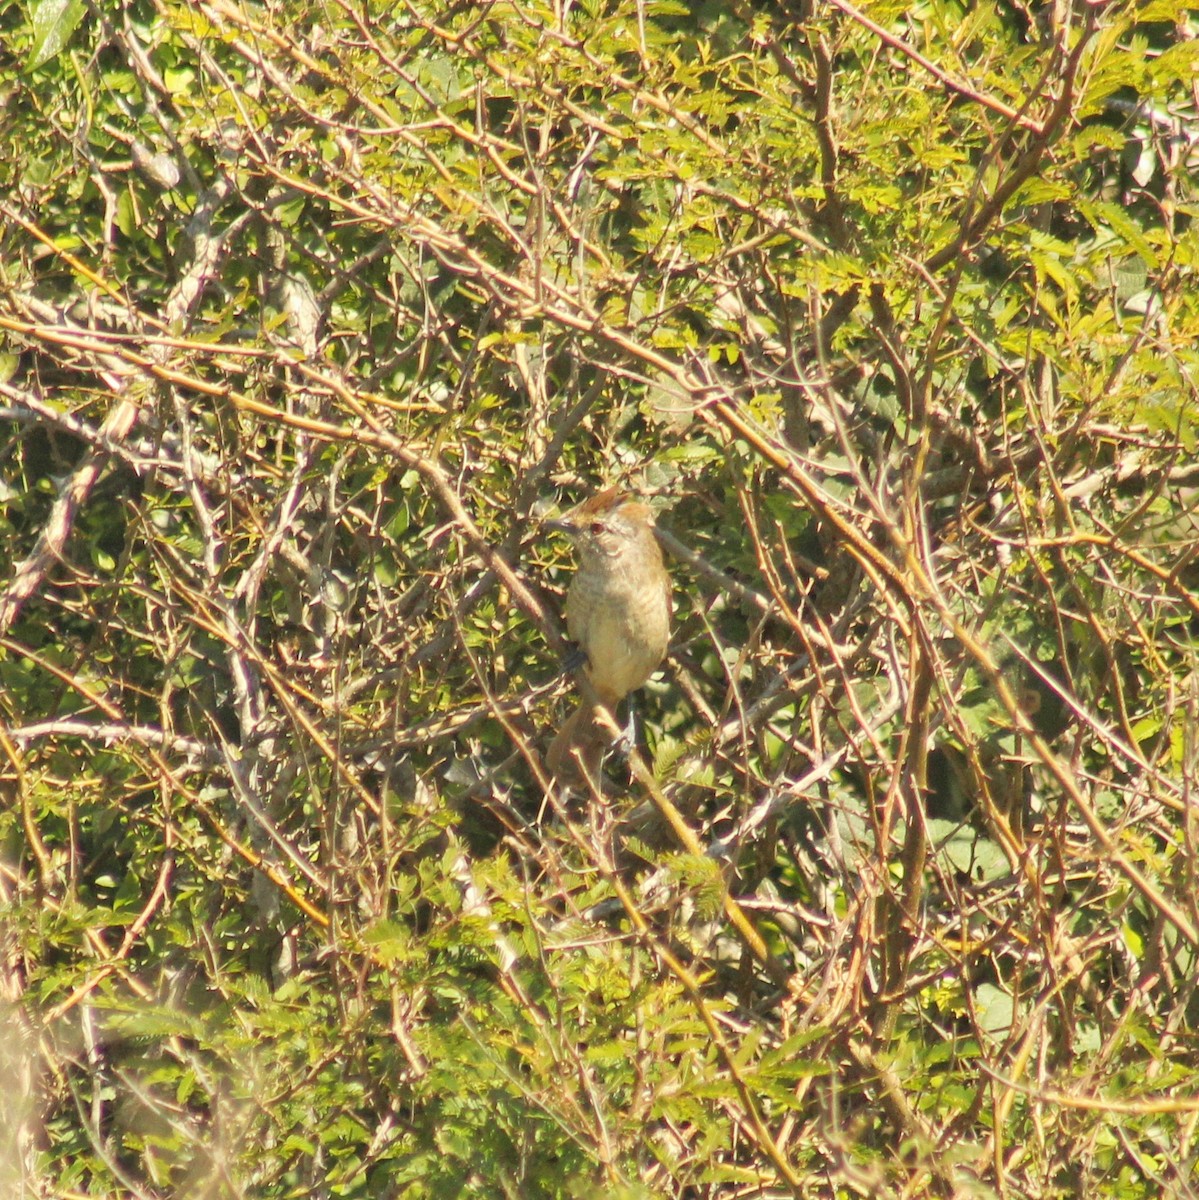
<point>597,527</point>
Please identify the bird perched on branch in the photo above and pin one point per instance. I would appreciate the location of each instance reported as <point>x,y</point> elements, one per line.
<point>617,611</point>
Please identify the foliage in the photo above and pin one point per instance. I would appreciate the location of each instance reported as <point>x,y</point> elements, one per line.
<point>311,311</point>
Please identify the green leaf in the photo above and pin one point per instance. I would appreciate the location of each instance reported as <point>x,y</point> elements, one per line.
<point>53,23</point>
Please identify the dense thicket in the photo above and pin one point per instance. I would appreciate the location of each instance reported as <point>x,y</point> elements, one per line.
<point>311,311</point>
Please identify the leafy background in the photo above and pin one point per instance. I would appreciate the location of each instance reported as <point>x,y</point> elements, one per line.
<point>311,312</point>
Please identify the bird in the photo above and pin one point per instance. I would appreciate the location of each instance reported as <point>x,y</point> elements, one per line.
<point>618,611</point>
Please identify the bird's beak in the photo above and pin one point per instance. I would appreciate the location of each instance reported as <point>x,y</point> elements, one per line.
<point>561,525</point>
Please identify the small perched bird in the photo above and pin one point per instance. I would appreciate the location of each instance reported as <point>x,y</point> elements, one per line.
<point>617,610</point>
